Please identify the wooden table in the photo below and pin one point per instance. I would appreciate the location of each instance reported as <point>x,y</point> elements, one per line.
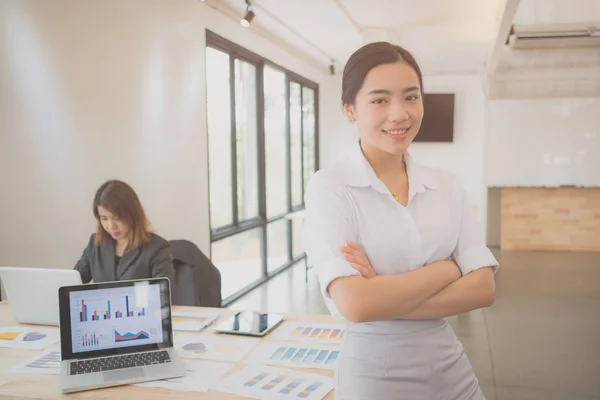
<point>29,386</point>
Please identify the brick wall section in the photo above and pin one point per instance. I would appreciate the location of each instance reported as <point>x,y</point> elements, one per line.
<point>550,219</point>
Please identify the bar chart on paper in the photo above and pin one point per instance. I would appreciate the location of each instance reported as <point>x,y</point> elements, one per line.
<point>45,363</point>
<point>262,382</point>
<point>315,333</point>
<point>296,355</point>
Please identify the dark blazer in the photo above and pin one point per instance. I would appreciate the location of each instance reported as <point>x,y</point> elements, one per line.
<point>152,260</point>
<point>198,280</point>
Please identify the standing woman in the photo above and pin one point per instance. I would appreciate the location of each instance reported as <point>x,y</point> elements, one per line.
<point>124,246</point>
<point>394,244</point>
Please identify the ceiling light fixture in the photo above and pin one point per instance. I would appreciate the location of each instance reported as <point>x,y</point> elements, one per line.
<point>245,22</point>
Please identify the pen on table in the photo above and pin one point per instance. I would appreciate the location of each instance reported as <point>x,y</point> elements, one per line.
<point>205,327</point>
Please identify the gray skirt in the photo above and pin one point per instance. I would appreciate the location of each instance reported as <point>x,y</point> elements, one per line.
<point>408,360</point>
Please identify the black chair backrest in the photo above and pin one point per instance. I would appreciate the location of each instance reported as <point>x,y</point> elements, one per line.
<point>197,280</point>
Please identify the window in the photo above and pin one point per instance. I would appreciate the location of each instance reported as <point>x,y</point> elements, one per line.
<point>246,140</point>
<point>296,143</point>
<point>263,145</point>
<point>275,141</point>
<point>308,132</point>
<point>218,107</point>
<point>238,258</point>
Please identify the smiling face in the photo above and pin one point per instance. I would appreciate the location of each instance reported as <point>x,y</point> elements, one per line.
<point>388,108</point>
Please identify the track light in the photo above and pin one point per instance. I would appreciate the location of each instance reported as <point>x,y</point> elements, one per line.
<point>247,19</point>
<point>245,22</point>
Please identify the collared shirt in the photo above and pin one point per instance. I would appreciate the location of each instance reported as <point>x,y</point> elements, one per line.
<point>348,202</point>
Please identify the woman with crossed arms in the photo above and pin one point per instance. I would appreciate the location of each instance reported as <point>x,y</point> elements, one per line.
<point>394,244</point>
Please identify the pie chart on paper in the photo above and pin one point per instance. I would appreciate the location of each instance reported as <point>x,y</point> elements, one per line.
<point>198,348</point>
<point>9,335</point>
<point>34,336</point>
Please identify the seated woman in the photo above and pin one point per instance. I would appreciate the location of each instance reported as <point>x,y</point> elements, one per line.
<point>123,247</point>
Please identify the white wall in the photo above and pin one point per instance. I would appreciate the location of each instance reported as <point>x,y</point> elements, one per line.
<point>336,132</point>
<point>464,156</point>
<point>543,142</point>
<point>99,90</point>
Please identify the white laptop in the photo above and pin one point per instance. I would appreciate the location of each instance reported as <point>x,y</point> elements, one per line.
<point>33,292</point>
<point>116,333</point>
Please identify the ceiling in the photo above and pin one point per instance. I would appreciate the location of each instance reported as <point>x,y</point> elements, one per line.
<point>558,72</point>
<point>557,11</point>
<point>446,36</point>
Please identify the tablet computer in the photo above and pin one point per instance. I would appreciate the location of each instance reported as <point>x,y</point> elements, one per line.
<point>249,323</point>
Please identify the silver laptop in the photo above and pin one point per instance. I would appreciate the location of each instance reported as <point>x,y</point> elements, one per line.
<point>116,333</point>
<point>33,292</point>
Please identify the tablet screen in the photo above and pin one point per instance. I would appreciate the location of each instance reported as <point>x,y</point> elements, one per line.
<point>249,323</point>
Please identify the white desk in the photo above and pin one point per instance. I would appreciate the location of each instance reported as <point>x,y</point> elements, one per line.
<point>28,386</point>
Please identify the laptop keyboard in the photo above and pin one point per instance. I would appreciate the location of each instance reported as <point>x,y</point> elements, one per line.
<point>119,362</point>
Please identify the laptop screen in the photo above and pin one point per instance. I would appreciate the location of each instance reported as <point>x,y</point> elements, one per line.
<point>116,317</point>
<point>102,319</point>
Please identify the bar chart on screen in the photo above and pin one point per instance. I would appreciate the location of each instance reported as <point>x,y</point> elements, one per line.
<point>89,340</point>
<point>116,317</point>
<point>86,314</point>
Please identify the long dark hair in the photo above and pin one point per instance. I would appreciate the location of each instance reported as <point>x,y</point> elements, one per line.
<point>121,200</point>
<point>368,57</point>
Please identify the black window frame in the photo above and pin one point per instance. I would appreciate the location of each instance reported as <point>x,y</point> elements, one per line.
<point>236,51</point>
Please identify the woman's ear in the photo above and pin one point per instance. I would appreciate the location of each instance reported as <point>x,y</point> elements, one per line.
<point>349,112</point>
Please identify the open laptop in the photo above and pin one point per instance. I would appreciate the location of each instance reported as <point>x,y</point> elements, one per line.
<point>116,333</point>
<point>33,292</point>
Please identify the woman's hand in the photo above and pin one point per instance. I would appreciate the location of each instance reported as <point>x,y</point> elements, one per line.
<point>358,260</point>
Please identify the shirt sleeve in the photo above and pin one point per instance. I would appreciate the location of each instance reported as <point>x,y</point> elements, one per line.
<point>470,253</point>
<point>329,224</point>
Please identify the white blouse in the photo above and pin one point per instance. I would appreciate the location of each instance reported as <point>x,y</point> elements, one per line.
<point>347,202</point>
